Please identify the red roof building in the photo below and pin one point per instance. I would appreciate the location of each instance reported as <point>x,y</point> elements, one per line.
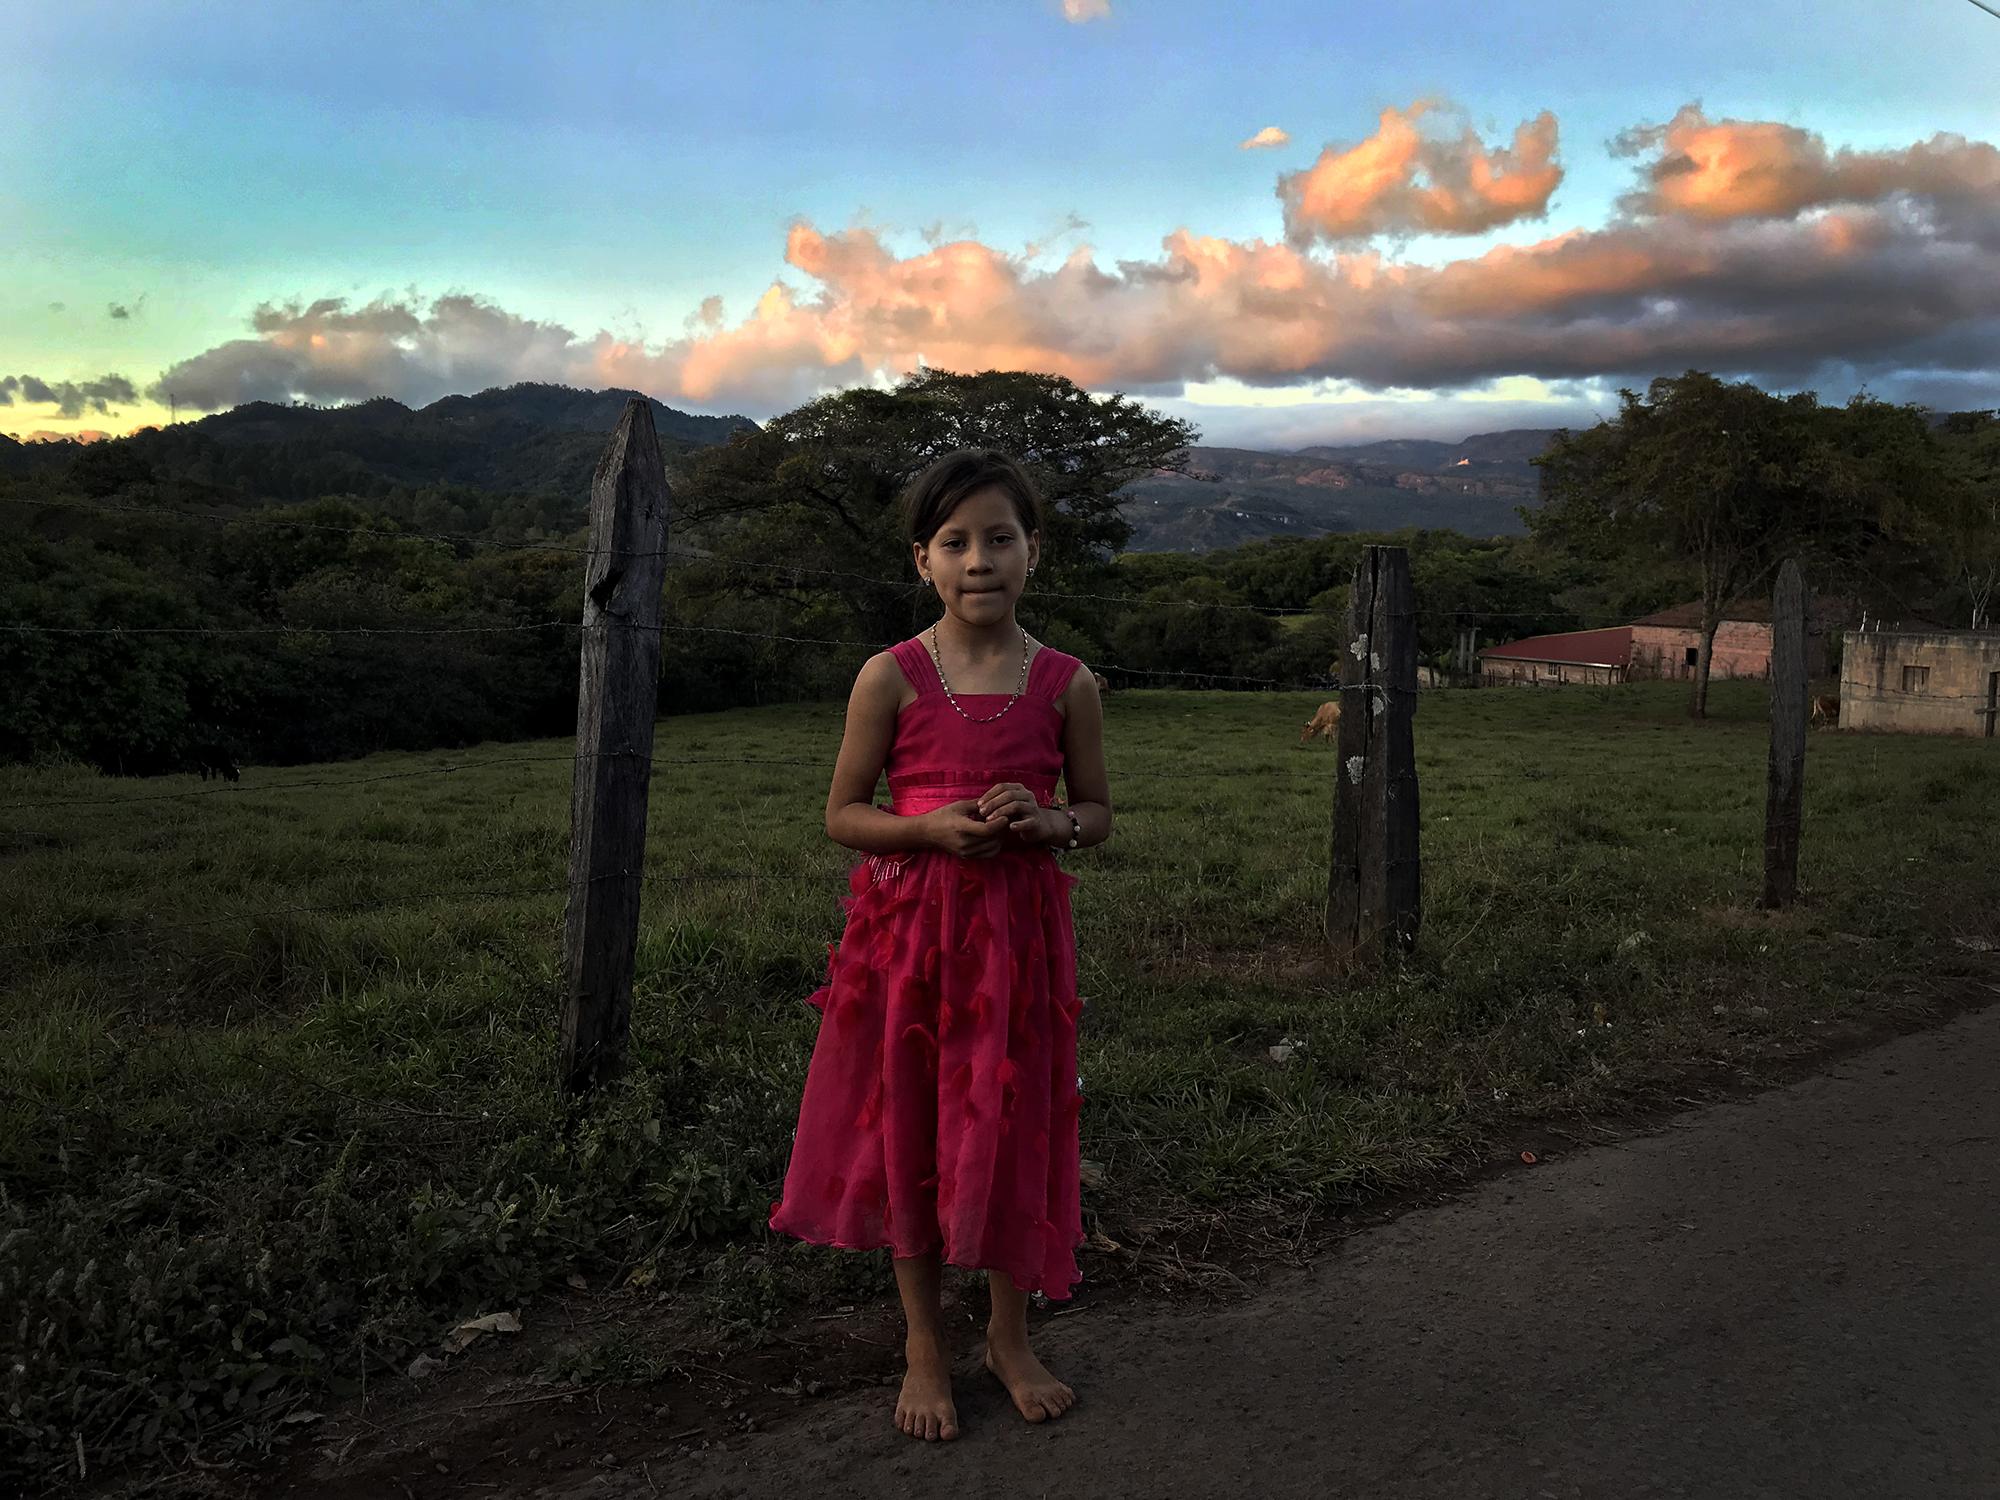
<point>1590,656</point>
<point>1665,645</point>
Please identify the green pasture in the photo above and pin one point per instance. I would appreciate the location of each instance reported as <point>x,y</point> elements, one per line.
<point>276,1095</point>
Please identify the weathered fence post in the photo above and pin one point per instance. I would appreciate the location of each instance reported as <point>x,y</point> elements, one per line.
<point>1373,899</point>
<point>617,694</point>
<point>1785,795</point>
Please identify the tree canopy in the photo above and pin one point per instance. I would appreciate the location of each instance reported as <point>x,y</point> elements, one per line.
<point>798,521</point>
<point>1725,481</point>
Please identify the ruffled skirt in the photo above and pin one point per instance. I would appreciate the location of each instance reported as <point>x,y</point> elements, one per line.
<point>940,1108</point>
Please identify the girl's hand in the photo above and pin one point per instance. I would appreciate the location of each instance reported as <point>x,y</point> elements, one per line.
<point>1013,806</point>
<point>961,828</point>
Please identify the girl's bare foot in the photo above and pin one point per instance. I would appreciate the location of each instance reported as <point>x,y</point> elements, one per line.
<point>925,1409</point>
<point>1038,1395</point>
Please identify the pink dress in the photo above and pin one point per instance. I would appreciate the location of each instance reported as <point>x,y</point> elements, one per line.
<point>940,1108</point>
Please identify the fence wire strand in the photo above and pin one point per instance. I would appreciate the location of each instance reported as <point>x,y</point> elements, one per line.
<point>791,570</point>
<point>794,572</point>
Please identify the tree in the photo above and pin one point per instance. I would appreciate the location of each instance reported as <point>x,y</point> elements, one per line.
<point>1723,477</point>
<point>1201,627</point>
<point>1969,534</point>
<point>816,489</point>
<point>1889,497</point>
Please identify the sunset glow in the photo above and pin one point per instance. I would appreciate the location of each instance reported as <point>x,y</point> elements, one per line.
<point>1402,214</point>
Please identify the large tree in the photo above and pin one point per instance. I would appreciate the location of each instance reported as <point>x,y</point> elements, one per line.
<point>801,515</point>
<point>1726,481</point>
<point>1968,534</point>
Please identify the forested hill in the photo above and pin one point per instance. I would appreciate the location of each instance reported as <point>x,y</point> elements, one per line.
<point>449,463</point>
<point>521,439</point>
<point>29,458</point>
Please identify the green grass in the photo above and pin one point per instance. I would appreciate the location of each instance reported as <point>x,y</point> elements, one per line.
<point>241,1155</point>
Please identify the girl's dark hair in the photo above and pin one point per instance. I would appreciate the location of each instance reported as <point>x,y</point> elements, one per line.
<point>930,498</point>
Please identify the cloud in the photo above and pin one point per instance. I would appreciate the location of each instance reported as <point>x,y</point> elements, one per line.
<point>1901,292</point>
<point>1417,175</point>
<point>1730,169</point>
<point>122,311</point>
<point>57,307</point>
<point>327,351</point>
<point>1076,12</point>
<point>70,398</point>
<point>1358,417</point>
<point>1270,135</point>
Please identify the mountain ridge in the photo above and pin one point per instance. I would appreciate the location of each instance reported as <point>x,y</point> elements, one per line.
<point>1237,495</point>
<point>530,438</point>
<point>545,439</point>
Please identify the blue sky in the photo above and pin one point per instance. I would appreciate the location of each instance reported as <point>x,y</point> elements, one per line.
<point>585,176</point>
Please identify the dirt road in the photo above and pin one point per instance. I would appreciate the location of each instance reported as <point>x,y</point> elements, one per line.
<point>1797,1294</point>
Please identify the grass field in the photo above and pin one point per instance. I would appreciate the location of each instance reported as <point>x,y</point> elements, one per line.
<point>276,1092</point>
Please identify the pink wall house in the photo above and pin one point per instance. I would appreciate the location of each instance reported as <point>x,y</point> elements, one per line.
<point>1664,645</point>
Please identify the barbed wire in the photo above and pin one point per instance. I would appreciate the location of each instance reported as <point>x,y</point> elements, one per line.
<point>1575,623</point>
<point>1323,683</point>
<point>796,570</point>
<point>1102,666</point>
<point>1035,595</point>
<point>605,623</point>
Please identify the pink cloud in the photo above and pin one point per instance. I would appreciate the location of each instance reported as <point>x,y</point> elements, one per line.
<point>1906,280</point>
<point>1413,177</point>
<point>1728,169</point>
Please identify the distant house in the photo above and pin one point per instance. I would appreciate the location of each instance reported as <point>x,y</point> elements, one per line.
<point>1587,656</point>
<point>1667,646</point>
<point>1921,681</point>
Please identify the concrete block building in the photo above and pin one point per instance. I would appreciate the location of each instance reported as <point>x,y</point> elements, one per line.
<point>1921,681</point>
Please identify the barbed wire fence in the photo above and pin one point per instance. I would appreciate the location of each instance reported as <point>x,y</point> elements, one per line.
<point>1380,698</point>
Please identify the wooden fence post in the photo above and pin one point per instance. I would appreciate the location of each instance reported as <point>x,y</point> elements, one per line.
<point>1785,794</point>
<point>617,695</point>
<point>1373,900</point>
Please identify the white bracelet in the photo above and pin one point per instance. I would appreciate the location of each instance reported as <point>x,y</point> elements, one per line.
<point>1075,828</point>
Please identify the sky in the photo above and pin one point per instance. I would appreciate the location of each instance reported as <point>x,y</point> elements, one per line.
<point>1290,223</point>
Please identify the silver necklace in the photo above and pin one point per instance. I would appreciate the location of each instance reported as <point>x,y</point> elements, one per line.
<point>951,697</point>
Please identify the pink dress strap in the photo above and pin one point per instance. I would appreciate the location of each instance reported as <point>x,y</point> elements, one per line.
<point>918,669</point>
<point>1050,672</point>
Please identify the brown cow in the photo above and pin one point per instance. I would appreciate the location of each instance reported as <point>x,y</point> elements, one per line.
<point>1826,711</point>
<point>1325,721</point>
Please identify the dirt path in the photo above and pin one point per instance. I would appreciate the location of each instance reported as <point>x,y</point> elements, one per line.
<point>1796,1294</point>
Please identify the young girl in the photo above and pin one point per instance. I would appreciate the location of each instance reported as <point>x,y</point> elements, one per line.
<point>940,1109</point>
